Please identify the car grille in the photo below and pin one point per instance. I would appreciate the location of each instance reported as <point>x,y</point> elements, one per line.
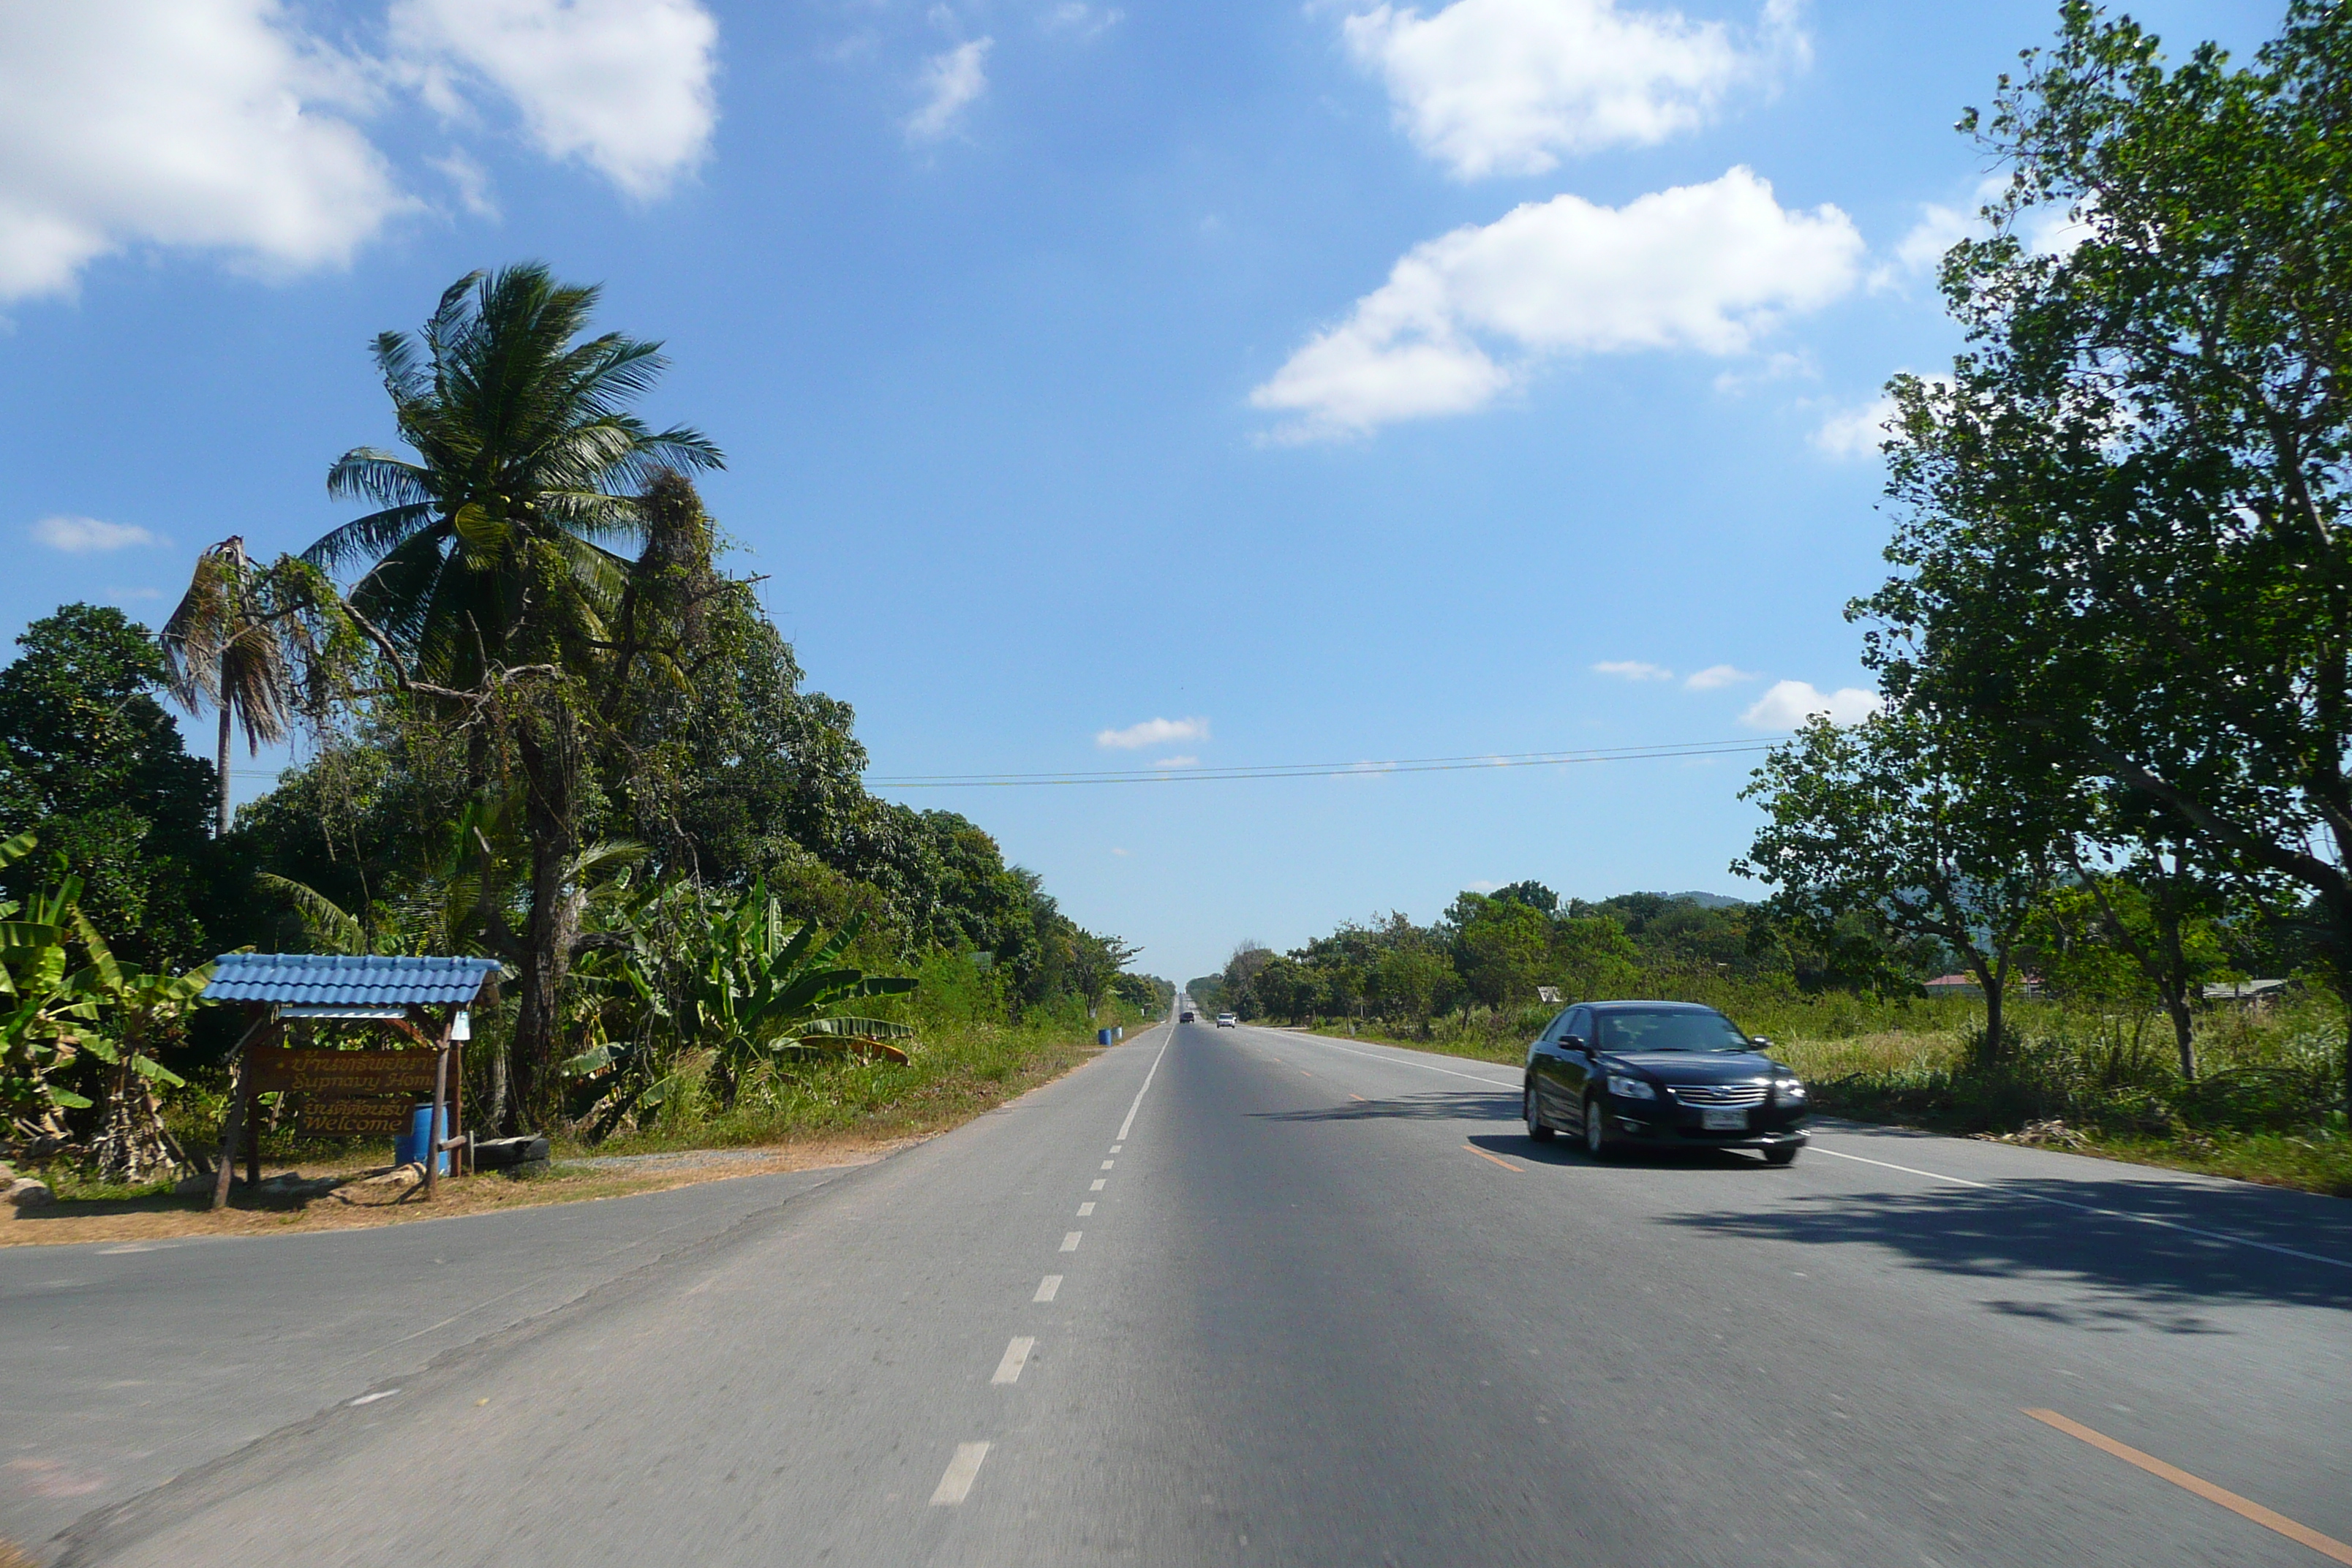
<point>1719,1094</point>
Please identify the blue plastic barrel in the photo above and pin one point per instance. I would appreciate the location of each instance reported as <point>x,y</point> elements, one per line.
<point>1102,1036</point>
<point>408,1149</point>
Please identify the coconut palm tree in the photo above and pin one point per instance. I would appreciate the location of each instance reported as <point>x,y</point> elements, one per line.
<point>528,464</point>
<point>488,558</point>
<point>223,649</point>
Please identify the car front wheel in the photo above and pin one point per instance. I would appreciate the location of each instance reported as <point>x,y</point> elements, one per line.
<point>1596,1142</point>
<point>1784,1155</point>
<point>1537,1127</point>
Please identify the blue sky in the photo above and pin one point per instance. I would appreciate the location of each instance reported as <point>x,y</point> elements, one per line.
<point>1332,383</point>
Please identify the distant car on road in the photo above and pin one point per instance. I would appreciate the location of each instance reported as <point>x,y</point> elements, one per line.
<point>1227,1021</point>
<point>1185,1017</point>
<point>1660,1075</point>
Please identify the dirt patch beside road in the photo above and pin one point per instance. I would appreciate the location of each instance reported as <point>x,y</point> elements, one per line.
<point>324,1197</point>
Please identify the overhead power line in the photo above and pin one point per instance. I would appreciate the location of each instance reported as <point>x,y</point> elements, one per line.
<point>1323,770</point>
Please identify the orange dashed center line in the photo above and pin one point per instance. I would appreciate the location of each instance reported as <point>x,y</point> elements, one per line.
<point>2326,1545</point>
<point>1483,1155</point>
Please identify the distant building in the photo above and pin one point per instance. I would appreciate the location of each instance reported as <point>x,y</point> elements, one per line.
<point>2254,995</point>
<point>1966,986</point>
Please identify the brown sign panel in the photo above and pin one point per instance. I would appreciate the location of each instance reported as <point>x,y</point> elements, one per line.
<point>344,1075</point>
<point>354,1118</point>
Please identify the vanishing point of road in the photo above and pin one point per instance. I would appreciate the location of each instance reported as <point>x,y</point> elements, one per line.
<point>1239,1296</point>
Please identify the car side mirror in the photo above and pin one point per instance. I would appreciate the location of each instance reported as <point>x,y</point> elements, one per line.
<point>1759,1042</point>
<point>1573,1043</point>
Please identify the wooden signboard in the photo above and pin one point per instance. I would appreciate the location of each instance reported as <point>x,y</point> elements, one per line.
<point>344,1075</point>
<point>348,1094</point>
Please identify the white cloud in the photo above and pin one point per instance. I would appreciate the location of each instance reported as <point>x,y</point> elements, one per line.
<point>1856,432</point>
<point>1717,676</point>
<point>1153,733</point>
<point>1074,19</point>
<point>1633,669</point>
<point>470,181</point>
<point>1506,87</point>
<point>211,123</point>
<point>1790,703</point>
<point>1708,267</point>
<point>89,536</point>
<point>624,85</point>
<point>1177,763</point>
<point>1918,252</point>
<point>952,82</point>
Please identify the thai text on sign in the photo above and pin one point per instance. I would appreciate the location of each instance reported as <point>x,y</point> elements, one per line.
<point>344,1075</point>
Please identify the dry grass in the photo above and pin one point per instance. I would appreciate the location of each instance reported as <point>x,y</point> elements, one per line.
<point>1894,1051</point>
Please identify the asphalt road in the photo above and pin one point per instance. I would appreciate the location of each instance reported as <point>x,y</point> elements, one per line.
<point>1249,1296</point>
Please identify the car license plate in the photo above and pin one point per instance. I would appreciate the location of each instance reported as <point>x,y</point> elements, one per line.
<point>1724,1121</point>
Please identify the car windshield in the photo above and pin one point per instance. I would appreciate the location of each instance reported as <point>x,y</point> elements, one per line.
<point>1663,1031</point>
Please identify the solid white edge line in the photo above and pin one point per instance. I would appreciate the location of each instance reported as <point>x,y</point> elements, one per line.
<point>2088,1208</point>
<point>956,1485</point>
<point>1130,1122</point>
<point>1017,1356</point>
<point>1048,1288</point>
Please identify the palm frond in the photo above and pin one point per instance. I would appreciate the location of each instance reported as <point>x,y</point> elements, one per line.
<point>372,535</point>
<point>323,921</point>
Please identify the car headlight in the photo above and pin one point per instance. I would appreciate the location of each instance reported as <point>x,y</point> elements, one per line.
<point>1792,1088</point>
<point>1625,1088</point>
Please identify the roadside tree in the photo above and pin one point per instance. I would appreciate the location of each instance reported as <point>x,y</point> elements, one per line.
<point>1888,822</point>
<point>2125,549</point>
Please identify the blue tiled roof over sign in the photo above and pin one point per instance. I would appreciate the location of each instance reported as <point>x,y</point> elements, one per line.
<point>329,980</point>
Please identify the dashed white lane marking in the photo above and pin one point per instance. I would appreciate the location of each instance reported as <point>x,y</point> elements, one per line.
<point>962,1470</point>
<point>1017,1356</point>
<point>2090,1208</point>
<point>1404,1061</point>
<point>371,1398</point>
<point>1127,1126</point>
<point>1084,1209</point>
<point>1070,1240</point>
<point>1116,1147</point>
<point>1048,1288</point>
<point>1101,1183</point>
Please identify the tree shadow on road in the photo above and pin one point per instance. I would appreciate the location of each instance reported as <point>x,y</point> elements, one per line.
<point>1438,1105</point>
<point>2022,1230</point>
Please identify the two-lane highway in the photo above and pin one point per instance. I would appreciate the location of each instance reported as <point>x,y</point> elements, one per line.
<point>1256,1296</point>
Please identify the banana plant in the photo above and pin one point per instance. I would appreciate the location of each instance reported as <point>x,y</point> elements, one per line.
<point>134,1144</point>
<point>46,1016</point>
<point>724,988</point>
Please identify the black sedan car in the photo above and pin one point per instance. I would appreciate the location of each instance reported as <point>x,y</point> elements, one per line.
<point>1661,1074</point>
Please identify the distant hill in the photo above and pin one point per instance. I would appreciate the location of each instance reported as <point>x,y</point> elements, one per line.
<point>1708,900</point>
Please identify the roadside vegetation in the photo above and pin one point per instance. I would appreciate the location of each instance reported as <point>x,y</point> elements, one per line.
<point>538,719</point>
